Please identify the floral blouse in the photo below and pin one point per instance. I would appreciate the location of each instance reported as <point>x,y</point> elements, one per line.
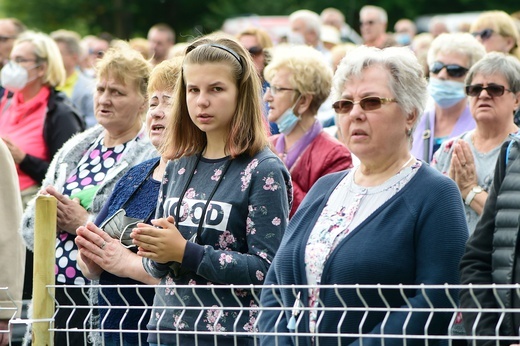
<point>348,206</point>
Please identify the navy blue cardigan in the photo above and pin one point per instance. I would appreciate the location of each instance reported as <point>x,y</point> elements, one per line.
<point>417,236</point>
<point>142,200</point>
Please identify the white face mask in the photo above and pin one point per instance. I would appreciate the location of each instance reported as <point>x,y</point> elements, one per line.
<point>295,38</point>
<point>14,77</point>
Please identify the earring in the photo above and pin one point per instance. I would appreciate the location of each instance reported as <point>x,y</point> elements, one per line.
<point>408,132</point>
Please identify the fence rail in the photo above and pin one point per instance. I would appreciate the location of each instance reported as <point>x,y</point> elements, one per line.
<point>452,333</point>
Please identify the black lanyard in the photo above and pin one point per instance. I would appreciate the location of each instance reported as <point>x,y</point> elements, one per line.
<point>203,216</point>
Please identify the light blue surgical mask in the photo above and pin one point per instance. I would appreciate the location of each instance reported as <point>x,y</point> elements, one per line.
<point>403,39</point>
<point>446,93</point>
<point>288,120</point>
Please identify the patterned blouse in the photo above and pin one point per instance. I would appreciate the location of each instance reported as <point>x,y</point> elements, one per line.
<point>348,206</point>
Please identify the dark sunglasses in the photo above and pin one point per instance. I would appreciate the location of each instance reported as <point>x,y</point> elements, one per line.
<point>452,69</point>
<point>493,90</point>
<point>255,50</point>
<point>484,34</point>
<point>368,104</point>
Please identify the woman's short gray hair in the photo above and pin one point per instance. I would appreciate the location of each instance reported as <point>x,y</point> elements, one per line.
<point>495,63</point>
<point>406,83</point>
<point>457,43</point>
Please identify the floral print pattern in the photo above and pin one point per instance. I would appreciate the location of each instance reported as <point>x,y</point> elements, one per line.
<point>334,225</point>
<point>252,196</point>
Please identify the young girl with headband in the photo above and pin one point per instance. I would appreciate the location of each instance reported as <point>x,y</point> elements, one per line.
<point>223,204</point>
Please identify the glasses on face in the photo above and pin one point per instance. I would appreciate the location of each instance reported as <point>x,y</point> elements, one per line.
<point>493,90</point>
<point>484,34</point>
<point>275,90</point>
<point>453,70</point>
<point>97,53</point>
<point>367,23</point>
<point>4,39</point>
<point>367,104</point>
<point>20,60</point>
<point>255,50</point>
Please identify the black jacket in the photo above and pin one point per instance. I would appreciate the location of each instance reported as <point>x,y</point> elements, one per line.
<point>491,255</point>
<point>62,121</point>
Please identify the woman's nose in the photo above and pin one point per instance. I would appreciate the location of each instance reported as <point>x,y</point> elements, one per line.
<point>202,100</point>
<point>267,95</point>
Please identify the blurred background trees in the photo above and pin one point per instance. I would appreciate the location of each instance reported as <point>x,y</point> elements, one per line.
<point>130,18</point>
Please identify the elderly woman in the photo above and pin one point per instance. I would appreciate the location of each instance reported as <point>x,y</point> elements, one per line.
<point>84,172</point>
<point>497,31</point>
<point>469,159</point>
<point>300,82</point>
<point>449,58</point>
<point>113,263</point>
<point>374,224</point>
<point>35,119</point>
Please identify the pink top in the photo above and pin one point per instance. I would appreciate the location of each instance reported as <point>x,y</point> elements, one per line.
<point>22,122</point>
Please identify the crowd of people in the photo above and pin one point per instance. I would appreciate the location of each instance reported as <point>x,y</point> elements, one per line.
<point>322,157</point>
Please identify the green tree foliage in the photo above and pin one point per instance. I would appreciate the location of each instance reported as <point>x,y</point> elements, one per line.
<point>130,18</point>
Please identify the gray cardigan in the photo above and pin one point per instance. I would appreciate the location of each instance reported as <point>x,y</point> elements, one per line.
<point>66,160</point>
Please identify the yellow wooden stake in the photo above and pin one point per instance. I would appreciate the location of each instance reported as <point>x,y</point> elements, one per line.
<point>44,260</point>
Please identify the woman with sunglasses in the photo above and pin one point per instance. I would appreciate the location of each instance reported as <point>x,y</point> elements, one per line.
<point>449,58</point>
<point>300,82</point>
<point>469,159</point>
<point>497,31</point>
<point>492,250</point>
<point>385,221</point>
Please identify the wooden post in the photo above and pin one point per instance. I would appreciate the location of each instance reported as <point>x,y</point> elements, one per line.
<point>44,261</point>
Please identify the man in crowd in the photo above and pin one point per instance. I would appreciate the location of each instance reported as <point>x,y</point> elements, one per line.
<point>78,86</point>
<point>161,38</point>
<point>10,29</point>
<point>373,21</point>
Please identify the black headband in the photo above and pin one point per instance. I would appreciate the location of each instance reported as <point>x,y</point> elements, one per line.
<point>219,46</point>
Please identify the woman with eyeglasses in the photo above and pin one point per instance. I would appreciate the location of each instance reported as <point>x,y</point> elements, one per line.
<point>469,159</point>
<point>447,115</point>
<point>300,82</point>
<point>492,253</point>
<point>35,119</point>
<point>386,221</point>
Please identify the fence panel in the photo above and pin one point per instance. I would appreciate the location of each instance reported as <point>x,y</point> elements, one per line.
<point>340,324</point>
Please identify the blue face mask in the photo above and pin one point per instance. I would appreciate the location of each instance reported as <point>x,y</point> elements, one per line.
<point>446,93</point>
<point>403,39</point>
<point>288,120</point>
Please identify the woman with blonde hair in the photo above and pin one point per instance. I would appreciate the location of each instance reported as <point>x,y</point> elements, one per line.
<point>35,119</point>
<point>116,262</point>
<point>497,31</point>
<point>83,173</point>
<point>300,82</point>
